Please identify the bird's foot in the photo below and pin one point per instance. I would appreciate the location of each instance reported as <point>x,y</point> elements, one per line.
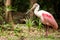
<point>46,34</point>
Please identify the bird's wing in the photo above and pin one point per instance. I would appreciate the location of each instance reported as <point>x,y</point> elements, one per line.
<point>50,19</point>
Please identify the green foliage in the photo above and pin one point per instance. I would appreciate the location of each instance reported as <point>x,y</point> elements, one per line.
<point>1,18</point>
<point>0,28</point>
<point>1,11</point>
<point>17,28</point>
<point>10,8</point>
<point>29,23</point>
<point>7,26</point>
<point>38,23</point>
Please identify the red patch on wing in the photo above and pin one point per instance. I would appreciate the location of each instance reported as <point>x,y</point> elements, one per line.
<point>46,15</point>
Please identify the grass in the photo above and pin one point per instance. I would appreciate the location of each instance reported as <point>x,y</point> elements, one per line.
<point>29,23</point>
<point>34,34</point>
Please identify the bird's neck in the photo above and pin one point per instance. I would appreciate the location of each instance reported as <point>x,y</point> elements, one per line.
<point>36,9</point>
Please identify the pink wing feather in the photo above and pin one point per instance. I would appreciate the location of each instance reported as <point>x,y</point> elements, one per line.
<point>50,19</point>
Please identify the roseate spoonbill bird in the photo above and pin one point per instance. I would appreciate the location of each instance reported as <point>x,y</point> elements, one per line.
<point>45,17</point>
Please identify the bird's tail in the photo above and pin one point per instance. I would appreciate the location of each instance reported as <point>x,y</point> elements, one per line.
<point>55,25</point>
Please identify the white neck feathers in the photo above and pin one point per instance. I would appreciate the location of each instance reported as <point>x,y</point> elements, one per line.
<point>36,9</point>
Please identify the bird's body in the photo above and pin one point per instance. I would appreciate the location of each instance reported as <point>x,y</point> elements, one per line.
<point>45,17</point>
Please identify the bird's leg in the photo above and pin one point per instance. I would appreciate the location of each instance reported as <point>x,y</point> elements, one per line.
<point>47,28</point>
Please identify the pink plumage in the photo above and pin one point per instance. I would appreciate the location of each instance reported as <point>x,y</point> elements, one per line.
<point>49,20</point>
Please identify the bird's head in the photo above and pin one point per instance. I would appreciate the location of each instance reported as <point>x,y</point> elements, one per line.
<point>34,6</point>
